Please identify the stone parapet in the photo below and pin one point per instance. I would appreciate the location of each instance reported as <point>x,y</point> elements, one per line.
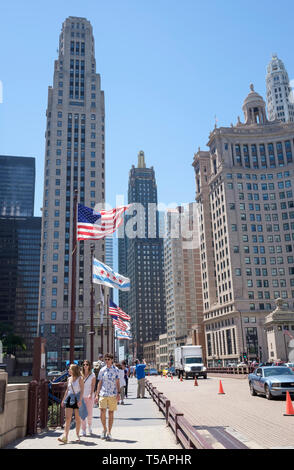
<point>13,416</point>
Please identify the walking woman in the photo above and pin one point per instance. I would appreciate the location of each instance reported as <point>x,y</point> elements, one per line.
<point>72,400</point>
<point>126,372</point>
<point>89,379</point>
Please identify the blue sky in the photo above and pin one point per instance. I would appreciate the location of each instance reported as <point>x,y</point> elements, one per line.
<point>167,69</point>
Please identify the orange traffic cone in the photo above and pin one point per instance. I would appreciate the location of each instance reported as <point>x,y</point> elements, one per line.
<point>289,406</point>
<point>221,390</point>
<point>195,382</point>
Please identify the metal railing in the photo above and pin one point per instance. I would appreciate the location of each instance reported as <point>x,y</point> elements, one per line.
<point>44,406</point>
<point>231,370</point>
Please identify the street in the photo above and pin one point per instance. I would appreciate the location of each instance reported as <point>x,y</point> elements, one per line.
<point>255,421</point>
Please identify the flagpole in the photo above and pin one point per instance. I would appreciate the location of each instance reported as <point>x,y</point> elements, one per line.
<point>107,312</point>
<point>102,329</point>
<point>73,279</point>
<point>92,332</point>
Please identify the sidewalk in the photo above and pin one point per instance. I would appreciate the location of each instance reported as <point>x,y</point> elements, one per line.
<point>137,425</point>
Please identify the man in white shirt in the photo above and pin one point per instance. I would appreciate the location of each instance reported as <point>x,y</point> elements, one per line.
<point>108,391</point>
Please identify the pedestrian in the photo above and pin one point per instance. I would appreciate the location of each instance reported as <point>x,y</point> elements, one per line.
<point>72,400</point>
<point>140,374</point>
<point>89,379</point>
<point>108,393</point>
<point>97,367</point>
<point>132,370</point>
<point>127,373</point>
<point>122,382</point>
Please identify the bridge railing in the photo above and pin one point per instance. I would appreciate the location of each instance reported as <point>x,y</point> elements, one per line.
<point>231,370</point>
<point>44,405</point>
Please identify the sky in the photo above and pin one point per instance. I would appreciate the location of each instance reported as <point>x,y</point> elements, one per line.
<point>169,69</point>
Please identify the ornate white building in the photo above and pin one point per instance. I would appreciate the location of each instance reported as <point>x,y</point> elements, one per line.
<point>280,100</point>
<point>244,185</point>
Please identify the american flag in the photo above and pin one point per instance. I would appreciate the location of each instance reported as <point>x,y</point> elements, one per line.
<point>115,310</point>
<point>94,225</point>
<point>116,321</point>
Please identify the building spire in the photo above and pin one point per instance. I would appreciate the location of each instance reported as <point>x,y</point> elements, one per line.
<point>141,159</point>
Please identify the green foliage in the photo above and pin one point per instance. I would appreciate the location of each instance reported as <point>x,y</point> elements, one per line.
<point>11,342</point>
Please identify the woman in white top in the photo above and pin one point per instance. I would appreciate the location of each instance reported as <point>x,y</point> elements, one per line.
<point>72,400</point>
<point>89,379</point>
<point>122,382</point>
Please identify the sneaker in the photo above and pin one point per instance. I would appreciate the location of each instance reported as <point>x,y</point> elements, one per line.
<point>122,403</point>
<point>62,439</point>
<point>83,433</point>
<point>90,431</point>
<point>104,434</point>
<point>109,437</point>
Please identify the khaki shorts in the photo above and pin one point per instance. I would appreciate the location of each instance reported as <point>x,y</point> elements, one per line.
<point>108,402</point>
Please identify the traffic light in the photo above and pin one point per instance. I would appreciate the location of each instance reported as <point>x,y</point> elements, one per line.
<point>245,356</point>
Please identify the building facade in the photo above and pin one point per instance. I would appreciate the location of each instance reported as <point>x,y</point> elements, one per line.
<point>183,286</point>
<point>19,282</point>
<point>17,186</point>
<point>74,161</point>
<point>141,259</point>
<point>244,185</point>
<point>279,327</point>
<point>280,102</point>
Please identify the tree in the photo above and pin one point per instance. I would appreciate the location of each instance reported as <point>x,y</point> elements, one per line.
<point>10,341</point>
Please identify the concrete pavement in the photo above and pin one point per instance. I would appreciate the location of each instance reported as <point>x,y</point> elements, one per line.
<point>255,421</point>
<point>137,425</point>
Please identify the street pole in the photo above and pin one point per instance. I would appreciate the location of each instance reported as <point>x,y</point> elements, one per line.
<point>92,331</point>
<point>73,279</point>
<point>107,313</point>
<point>102,328</point>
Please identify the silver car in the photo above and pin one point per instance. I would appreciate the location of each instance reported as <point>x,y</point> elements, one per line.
<point>271,381</point>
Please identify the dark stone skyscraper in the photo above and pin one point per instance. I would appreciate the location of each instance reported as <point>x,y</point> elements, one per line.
<point>17,186</point>
<point>141,259</point>
<point>20,236</point>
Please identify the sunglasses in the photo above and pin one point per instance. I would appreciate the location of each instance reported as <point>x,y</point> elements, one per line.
<point>108,359</point>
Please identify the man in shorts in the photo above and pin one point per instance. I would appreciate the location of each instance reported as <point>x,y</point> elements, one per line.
<point>108,391</point>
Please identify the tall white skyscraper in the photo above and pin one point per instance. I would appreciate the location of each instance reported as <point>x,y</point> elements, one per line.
<point>74,160</point>
<point>280,102</point>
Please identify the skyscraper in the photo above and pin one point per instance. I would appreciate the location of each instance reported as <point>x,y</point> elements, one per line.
<point>280,103</point>
<point>19,282</point>
<point>141,259</point>
<point>183,288</point>
<point>20,236</point>
<point>244,185</point>
<point>74,160</point>
<point>17,186</point>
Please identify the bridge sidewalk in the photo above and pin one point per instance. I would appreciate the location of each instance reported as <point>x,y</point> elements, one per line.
<point>137,425</point>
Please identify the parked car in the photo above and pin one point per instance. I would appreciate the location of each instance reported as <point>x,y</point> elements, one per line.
<point>54,373</point>
<point>271,381</point>
<point>242,364</point>
<point>290,364</point>
<point>232,364</point>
